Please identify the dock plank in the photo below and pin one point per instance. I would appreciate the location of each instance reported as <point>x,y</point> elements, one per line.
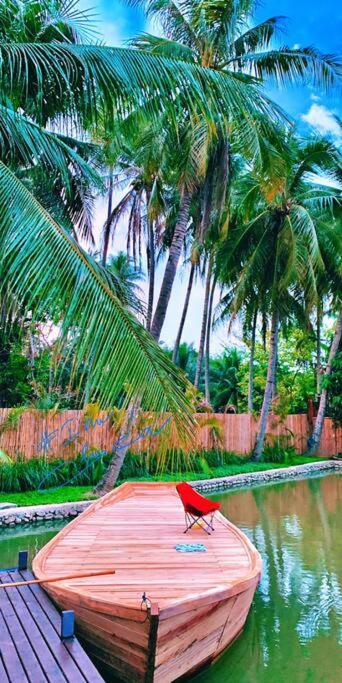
<point>31,650</point>
<point>73,645</point>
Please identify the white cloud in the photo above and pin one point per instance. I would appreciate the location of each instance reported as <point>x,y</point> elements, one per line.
<point>315,98</point>
<point>322,119</point>
<point>296,46</point>
<point>112,32</point>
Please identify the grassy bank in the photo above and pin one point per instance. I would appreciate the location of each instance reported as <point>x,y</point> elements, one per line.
<point>68,494</point>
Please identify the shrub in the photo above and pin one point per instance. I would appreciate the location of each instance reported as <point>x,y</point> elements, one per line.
<point>279,453</point>
<point>28,475</point>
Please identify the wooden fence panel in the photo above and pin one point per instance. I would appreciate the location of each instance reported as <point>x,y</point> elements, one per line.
<point>66,434</point>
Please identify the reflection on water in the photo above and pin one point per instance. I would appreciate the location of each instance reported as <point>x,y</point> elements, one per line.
<point>292,633</point>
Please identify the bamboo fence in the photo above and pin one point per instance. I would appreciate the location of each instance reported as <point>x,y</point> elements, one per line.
<point>65,434</point>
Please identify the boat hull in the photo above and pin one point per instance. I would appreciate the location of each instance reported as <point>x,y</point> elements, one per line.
<point>159,648</point>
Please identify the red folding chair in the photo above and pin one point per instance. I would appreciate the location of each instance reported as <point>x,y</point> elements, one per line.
<point>196,507</point>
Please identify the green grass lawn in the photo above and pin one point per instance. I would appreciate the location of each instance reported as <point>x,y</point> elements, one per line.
<point>69,494</point>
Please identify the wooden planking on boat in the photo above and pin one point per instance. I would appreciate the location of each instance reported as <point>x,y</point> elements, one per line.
<point>199,600</point>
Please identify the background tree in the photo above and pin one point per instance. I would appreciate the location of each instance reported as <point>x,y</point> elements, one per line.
<point>282,244</point>
<point>314,440</point>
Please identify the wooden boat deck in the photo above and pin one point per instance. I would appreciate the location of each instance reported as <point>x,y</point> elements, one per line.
<point>31,650</point>
<point>135,533</point>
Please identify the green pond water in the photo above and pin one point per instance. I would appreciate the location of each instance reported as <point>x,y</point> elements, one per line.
<point>294,630</point>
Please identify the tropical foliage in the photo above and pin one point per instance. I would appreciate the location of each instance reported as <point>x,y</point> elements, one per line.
<point>178,131</point>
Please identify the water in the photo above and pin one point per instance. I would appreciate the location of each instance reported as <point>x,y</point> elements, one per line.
<point>29,537</point>
<point>293,633</point>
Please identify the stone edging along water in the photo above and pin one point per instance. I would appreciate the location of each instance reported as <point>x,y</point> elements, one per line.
<point>39,513</point>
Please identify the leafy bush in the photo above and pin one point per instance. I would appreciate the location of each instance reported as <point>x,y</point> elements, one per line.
<point>279,453</point>
<point>28,475</point>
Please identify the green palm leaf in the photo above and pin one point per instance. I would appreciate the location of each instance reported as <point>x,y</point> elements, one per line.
<point>259,36</point>
<point>24,142</point>
<point>286,64</point>
<point>121,358</point>
<point>84,80</point>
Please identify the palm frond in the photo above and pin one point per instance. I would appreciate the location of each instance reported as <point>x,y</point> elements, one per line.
<point>258,37</point>
<point>163,47</point>
<point>24,142</point>
<point>47,271</point>
<point>83,80</point>
<point>174,17</point>
<point>317,156</point>
<point>287,65</point>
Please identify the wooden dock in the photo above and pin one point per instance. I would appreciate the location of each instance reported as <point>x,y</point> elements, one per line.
<point>31,647</point>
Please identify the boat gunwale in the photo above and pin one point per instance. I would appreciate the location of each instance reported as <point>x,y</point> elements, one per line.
<point>206,597</point>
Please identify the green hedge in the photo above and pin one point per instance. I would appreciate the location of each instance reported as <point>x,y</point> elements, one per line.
<point>30,475</point>
<point>36,473</point>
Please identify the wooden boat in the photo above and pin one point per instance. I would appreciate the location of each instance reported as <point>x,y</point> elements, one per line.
<point>199,601</point>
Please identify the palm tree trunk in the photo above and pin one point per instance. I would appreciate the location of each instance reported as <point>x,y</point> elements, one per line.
<point>251,365</point>
<point>171,266</point>
<point>112,472</point>
<point>269,389</point>
<point>264,330</point>
<point>274,388</point>
<point>109,213</point>
<point>318,349</point>
<point>151,275</point>
<point>207,344</point>
<point>32,352</point>
<point>151,266</point>
<point>314,440</point>
<point>184,314</point>
<point>204,325</point>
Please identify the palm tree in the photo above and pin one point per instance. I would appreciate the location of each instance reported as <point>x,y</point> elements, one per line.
<point>78,86</point>
<point>184,313</point>
<point>224,374</point>
<point>282,244</point>
<point>136,154</point>
<point>207,291</point>
<point>219,36</point>
<point>314,440</point>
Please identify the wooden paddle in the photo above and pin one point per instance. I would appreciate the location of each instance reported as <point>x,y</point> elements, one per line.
<point>80,575</point>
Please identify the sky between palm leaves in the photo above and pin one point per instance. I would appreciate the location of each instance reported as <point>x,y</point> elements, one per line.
<point>310,22</point>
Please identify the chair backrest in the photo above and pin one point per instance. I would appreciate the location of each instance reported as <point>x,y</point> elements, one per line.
<point>190,498</point>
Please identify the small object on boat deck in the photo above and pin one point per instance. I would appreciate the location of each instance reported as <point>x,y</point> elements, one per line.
<point>163,614</point>
<point>190,548</point>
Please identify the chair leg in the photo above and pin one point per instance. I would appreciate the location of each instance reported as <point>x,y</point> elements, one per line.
<point>195,520</point>
<point>190,520</point>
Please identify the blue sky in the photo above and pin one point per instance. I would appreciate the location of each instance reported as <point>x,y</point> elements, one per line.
<point>310,22</point>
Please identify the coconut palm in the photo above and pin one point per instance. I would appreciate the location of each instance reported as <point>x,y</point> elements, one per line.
<point>139,162</point>
<point>74,87</point>
<point>224,373</point>
<point>218,35</point>
<point>314,440</point>
<point>281,243</point>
